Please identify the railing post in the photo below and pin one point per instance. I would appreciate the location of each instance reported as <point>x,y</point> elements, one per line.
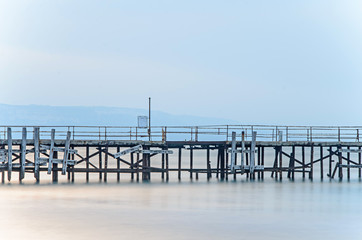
<point>357,135</point>
<point>196,134</point>
<point>130,133</point>
<point>73,133</point>
<point>287,133</point>
<point>339,134</point>
<point>311,135</point>
<point>191,133</point>
<point>165,134</point>
<point>227,132</point>
<point>105,133</point>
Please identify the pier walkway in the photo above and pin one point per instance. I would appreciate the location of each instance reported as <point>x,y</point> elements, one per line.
<point>230,152</point>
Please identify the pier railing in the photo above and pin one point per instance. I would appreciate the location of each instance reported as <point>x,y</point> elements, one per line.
<point>197,133</point>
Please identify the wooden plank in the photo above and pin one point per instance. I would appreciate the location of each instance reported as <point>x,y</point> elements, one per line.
<point>66,153</point>
<point>242,150</point>
<point>36,154</point>
<point>233,152</point>
<point>10,153</point>
<point>23,155</point>
<point>130,150</point>
<point>147,151</point>
<point>252,155</point>
<point>51,151</point>
<point>54,168</point>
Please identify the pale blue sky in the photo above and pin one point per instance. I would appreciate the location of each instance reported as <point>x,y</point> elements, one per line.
<point>271,62</point>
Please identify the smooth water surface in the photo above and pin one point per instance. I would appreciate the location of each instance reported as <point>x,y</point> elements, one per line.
<point>187,210</point>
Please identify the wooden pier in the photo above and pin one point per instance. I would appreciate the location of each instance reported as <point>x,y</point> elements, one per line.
<point>226,153</point>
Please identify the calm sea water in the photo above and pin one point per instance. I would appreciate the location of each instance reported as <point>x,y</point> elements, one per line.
<point>186,210</point>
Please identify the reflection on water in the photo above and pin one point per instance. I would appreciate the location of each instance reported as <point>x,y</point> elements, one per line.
<point>215,210</point>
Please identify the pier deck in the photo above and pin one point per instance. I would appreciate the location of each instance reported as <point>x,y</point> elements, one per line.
<point>229,152</point>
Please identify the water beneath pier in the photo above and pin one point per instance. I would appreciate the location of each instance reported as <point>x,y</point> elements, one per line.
<point>187,210</point>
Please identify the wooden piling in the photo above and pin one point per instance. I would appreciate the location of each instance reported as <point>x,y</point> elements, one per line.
<point>293,162</point>
<point>137,167</point>
<point>359,162</point>
<point>226,164</point>
<point>87,163</point>
<point>222,163</point>
<point>218,164</point>
<point>191,161</point>
<point>10,154</point>
<point>348,163</point>
<point>36,154</point>
<point>330,163</point>
<point>163,165</point>
<point>167,172</point>
<point>146,166</point>
<point>303,162</point>
<point>119,166</point>
<point>321,163</point>
<point>274,173</point>
<point>22,156</point>
<point>55,167</point>
<point>179,164</point>
<point>208,164</point>
<point>311,162</point>
<point>105,163</point>
<point>100,163</point>
<point>280,163</point>
<point>262,162</point>
<point>259,159</point>
<point>132,163</point>
<point>247,161</point>
<point>340,170</point>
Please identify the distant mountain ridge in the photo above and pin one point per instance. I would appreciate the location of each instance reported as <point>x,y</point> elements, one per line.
<point>95,116</point>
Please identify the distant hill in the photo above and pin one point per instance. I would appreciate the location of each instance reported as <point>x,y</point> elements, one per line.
<point>100,116</point>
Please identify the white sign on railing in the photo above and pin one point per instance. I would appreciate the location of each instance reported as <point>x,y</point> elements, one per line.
<point>142,121</point>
